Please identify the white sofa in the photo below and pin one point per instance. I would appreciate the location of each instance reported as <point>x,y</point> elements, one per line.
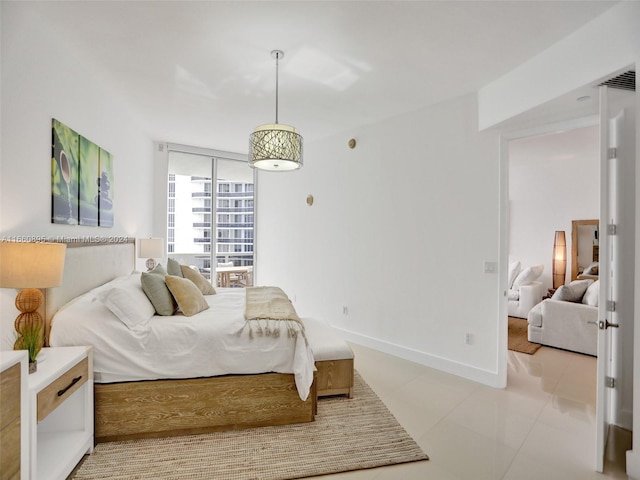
<point>525,290</point>
<point>570,325</point>
<point>522,300</point>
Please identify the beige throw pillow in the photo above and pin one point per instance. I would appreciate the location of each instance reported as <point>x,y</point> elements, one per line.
<point>188,296</point>
<point>196,277</point>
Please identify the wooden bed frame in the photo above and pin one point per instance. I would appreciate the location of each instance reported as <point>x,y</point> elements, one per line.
<point>159,408</point>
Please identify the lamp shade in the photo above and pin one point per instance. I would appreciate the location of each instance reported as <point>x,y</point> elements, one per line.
<point>275,147</point>
<point>151,248</point>
<point>31,265</point>
<point>559,261</point>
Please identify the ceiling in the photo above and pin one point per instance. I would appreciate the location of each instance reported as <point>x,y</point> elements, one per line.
<point>201,73</point>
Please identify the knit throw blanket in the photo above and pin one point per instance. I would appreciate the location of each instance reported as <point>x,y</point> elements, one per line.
<point>268,310</point>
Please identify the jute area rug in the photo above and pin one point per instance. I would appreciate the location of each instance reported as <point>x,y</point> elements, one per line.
<point>348,434</point>
<point>518,337</point>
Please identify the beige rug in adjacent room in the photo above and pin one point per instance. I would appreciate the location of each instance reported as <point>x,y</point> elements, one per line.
<point>518,338</point>
<point>348,434</point>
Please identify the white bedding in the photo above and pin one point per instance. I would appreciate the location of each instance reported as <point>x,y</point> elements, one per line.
<point>203,345</point>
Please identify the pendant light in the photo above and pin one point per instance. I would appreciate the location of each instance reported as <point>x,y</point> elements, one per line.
<point>275,147</point>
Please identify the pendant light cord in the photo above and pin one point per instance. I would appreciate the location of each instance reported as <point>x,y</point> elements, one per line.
<point>277,57</point>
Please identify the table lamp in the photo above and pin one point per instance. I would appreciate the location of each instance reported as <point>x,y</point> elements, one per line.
<point>151,248</point>
<point>29,267</point>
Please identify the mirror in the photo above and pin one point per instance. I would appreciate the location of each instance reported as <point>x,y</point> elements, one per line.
<point>584,247</point>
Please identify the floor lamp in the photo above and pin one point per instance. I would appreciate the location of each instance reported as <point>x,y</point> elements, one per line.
<point>559,262</point>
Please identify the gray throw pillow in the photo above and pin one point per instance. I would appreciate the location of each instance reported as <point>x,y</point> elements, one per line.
<point>155,288</point>
<point>174,268</point>
<point>572,292</point>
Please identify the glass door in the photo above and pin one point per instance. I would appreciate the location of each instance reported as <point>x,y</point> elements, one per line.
<point>210,224</point>
<point>234,223</point>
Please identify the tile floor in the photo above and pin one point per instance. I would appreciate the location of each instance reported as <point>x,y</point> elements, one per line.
<point>540,427</point>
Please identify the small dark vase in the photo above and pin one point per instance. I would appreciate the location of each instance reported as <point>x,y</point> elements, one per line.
<point>33,366</point>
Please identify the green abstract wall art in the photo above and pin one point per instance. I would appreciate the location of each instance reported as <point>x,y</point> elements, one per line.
<point>81,180</point>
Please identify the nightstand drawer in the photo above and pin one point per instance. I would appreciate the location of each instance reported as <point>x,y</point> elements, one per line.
<point>61,388</point>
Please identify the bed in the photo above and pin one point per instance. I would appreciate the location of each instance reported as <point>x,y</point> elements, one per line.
<point>269,380</point>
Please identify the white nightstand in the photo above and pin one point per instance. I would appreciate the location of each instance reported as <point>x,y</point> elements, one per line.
<point>60,411</point>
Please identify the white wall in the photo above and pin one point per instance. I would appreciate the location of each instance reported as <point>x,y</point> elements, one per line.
<point>45,77</point>
<point>398,233</point>
<point>553,179</point>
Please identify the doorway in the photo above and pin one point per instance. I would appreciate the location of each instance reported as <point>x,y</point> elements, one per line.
<point>623,403</point>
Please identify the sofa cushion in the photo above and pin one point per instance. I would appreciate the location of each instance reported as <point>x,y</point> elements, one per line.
<point>514,270</point>
<point>572,292</point>
<point>527,276</point>
<point>514,294</point>
<point>592,294</point>
<point>535,315</point>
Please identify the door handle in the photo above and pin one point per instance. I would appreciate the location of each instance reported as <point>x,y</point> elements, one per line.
<point>604,324</point>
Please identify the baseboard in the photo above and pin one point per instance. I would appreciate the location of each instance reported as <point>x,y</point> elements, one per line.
<point>433,361</point>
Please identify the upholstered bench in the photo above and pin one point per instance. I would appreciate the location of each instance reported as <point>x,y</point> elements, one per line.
<point>333,356</point>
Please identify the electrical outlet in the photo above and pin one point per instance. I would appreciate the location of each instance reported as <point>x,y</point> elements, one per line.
<point>345,310</point>
<point>468,338</point>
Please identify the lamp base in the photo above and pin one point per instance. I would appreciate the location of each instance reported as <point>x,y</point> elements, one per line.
<point>151,264</point>
<point>29,324</point>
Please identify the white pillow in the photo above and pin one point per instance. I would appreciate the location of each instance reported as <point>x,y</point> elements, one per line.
<point>527,276</point>
<point>590,297</point>
<point>514,270</point>
<point>131,305</point>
